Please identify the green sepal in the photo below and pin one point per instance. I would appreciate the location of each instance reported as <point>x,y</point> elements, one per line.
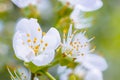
<point>33,68</point>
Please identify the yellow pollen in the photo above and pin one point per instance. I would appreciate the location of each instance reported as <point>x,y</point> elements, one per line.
<point>28,35</point>
<point>43,48</point>
<point>35,39</point>
<point>28,40</point>
<point>36,51</point>
<point>36,47</point>
<point>70,53</point>
<point>39,29</point>
<point>46,44</point>
<point>43,33</point>
<point>41,41</point>
<point>64,31</point>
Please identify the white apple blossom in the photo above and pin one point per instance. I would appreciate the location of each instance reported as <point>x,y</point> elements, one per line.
<point>83,5</point>
<point>90,69</point>
<point>79,20</point>
<point>76,45</point>
<point>31,46</point>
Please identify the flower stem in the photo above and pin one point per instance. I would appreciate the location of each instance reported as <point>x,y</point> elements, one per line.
<point>48,75</point>
<point>32,76</point>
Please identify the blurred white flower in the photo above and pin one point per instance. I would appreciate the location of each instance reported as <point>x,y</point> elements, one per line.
<point>20,73</point>
<point>36,78</point>
<point>91,67</point>
<point>92,61</point>
<point>64,72</point>
<point>76,45</point>
<point>24,3</point>
<point>83,5</point>
<point>79,20</point>
<point>43,6</point>
<point>29,44</point>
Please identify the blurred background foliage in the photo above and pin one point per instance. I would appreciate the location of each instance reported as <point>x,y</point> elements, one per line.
<point>105,28</point>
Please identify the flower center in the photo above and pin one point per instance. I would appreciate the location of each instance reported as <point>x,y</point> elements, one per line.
<point>35,44</point>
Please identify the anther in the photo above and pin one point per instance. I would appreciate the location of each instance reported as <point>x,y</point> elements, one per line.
<point>28,35</point>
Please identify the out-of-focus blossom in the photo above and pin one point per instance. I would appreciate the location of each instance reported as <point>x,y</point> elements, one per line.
<point>76,45</point>
<point>43,6</point>
<point>24,3</point>
<point>91,67</point>
<point>20,73</point>
<point>64,72</point>
<point>83,5</point>
<point>92,61</point>
<point>31,46</point>
<point>79,20</point>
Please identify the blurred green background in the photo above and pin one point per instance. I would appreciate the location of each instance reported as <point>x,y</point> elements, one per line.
<point>106,29</point>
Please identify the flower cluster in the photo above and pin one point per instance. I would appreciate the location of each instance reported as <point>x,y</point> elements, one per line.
<point>40,50</point>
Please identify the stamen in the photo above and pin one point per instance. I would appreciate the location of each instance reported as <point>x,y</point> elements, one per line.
<point>46,44</point>
<point>28,35</point>
<point>38,29</point>
<point>35,39</point>
<point>28,40</point>
<point>41,41</point>
<point>43,33</point>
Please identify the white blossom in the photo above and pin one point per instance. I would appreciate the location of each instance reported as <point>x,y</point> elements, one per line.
<point>24,3</point>
<point>83,5</point>
<point>64,72</point>
<point>31,46</point>
<point>91,67</point>
<point>43,6</point>
<point>76,45</point>
<point>79,20</point>
<point>20,73</point>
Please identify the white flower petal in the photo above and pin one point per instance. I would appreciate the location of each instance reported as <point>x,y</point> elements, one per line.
<point>65,75</point>
<point>22,51</point>
<point>52,38</point>
<point>77,16</point>
<point>30,28</point>
<point>61,69</point>
<point>97,61</point>
<point>25,73</point>
<point>45,9</point>
<point>80,71</point>
<point>44,58</point>
<point>89,5</point>
<point>24,3</point>
<point>84,42</point>
<point>94,75</point>
<point>64,72</point>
